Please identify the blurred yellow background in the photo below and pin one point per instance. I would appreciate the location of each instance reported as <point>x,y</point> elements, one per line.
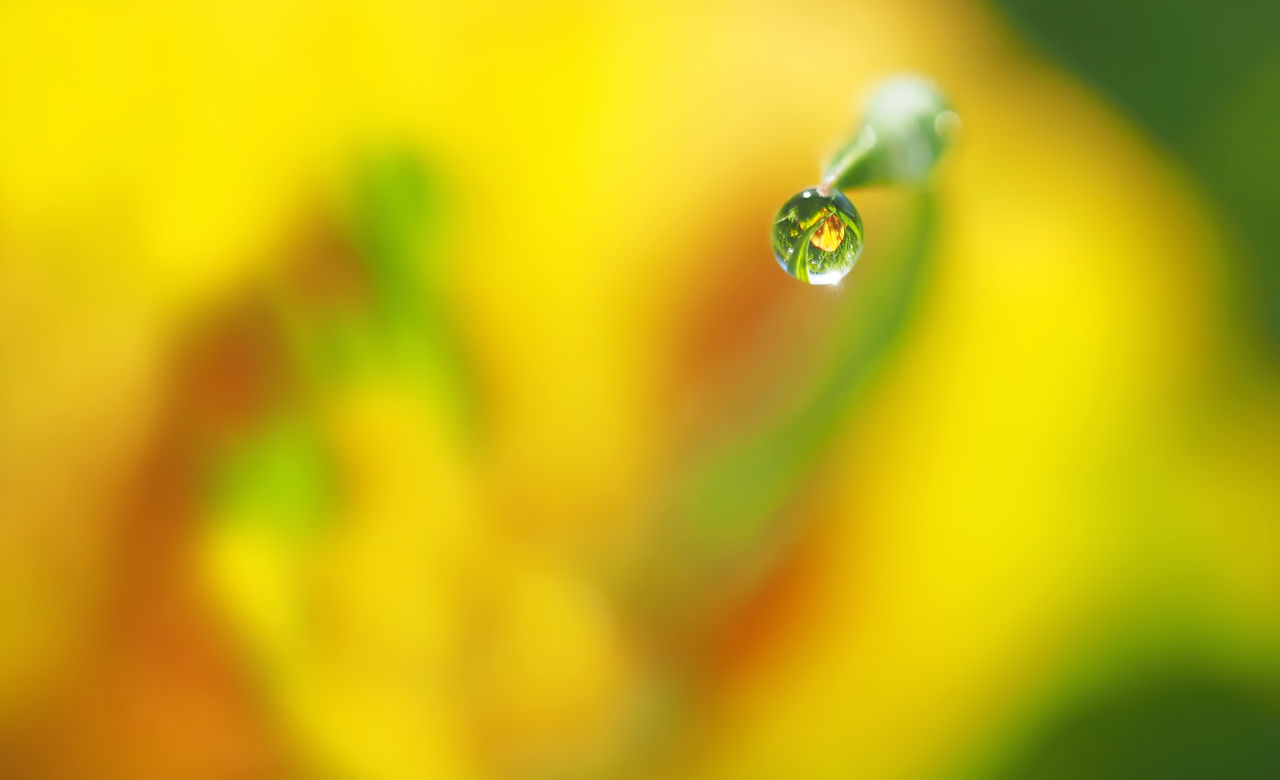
<point>357,360</point>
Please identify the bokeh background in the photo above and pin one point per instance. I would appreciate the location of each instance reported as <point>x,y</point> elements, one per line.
<point>404,389</point>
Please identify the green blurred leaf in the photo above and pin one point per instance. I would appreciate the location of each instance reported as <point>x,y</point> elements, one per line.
<point>1179,726</point>
<point>281,473</point>
<point>1202,77</point>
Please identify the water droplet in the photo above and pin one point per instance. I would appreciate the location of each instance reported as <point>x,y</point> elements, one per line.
<point>817,238</point>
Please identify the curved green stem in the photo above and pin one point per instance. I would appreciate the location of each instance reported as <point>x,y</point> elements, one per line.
<point>852,165</point>
<point>907,127</point>
<point>729,500</point>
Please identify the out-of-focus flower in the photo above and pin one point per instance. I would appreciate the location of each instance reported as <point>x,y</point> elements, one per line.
<point>360,364</point>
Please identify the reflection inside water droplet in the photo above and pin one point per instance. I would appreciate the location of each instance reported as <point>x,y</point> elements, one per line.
<point>817,238</point>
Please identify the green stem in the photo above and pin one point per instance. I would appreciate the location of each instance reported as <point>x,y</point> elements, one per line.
<point>852,165</point>
<point>730,500</point>
<point>907,126</point>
